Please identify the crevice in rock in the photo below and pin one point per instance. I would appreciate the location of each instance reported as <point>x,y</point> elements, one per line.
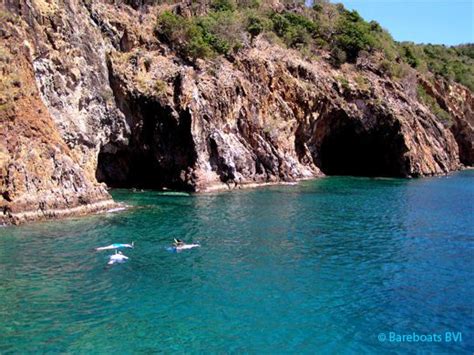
<point>462,132</point>
<point>218,164</point>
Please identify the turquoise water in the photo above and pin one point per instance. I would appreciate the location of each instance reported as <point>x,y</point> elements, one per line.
<point>323,266</point>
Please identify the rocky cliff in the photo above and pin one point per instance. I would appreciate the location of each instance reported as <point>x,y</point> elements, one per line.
<point>91,97</point>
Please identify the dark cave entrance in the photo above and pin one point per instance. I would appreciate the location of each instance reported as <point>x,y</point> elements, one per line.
<point>160,152</point>
<point>349,149</point>
<point>127,168</point>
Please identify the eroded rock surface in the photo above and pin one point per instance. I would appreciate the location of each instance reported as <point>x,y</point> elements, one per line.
<point>101,99</point>
<point>40,176</point>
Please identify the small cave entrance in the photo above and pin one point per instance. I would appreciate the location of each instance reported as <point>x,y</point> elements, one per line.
<point>349,149</point>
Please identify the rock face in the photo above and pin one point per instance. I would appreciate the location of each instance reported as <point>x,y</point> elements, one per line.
<point>459,102</point>
<point>101,99</point>
<point>40,176</point>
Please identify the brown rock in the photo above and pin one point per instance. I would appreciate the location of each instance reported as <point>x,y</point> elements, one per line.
<point>117,106</point>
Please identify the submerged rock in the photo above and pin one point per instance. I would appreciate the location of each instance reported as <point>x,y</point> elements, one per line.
<point>102,99</point>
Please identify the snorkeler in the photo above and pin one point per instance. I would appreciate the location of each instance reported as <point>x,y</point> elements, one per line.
<point>118,257</point>
<point>178,243</point>
<point>116,246</point>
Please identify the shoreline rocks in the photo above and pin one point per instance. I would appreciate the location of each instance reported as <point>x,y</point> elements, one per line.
<point>95,99</point>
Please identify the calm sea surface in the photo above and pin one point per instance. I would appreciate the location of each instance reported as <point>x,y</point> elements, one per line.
<point>327,266</point>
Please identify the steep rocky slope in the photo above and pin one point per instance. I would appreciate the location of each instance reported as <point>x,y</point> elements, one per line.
<point>40,176</point>
<point>90,94</point>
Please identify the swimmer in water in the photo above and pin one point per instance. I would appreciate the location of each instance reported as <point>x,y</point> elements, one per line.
<point>178,243</point>
<point>116,246</point>
<point>118,257</point>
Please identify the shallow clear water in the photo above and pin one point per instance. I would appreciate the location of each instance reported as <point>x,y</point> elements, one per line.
<point>323,266</point>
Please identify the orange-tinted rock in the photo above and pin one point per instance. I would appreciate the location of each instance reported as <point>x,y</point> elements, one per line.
<point>39,175</point>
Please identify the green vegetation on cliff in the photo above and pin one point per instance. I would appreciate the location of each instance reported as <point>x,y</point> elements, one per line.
<point>453,63</point>
<point>203,36</point>
<point>225,26</point>
<point>433,105</point>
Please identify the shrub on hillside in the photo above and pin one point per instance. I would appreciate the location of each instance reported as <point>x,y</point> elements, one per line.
<point>353,35</point>
<point>293,28</point>
<point>200,37</point>
<point>223,5</point>
<point>256,24</point>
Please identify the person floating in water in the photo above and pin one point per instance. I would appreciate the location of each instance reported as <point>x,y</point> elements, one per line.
<point>179,245</point>
<point>116,246</point>
<point>118,257</point>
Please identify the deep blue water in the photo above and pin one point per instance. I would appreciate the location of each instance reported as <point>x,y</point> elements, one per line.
<point>324,266</point>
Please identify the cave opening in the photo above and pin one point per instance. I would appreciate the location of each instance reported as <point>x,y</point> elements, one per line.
<point>128,169</point>
<point>349,149</point>
<point>160,152</point>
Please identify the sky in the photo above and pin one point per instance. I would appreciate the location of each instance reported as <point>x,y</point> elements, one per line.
<point>447,22</point>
